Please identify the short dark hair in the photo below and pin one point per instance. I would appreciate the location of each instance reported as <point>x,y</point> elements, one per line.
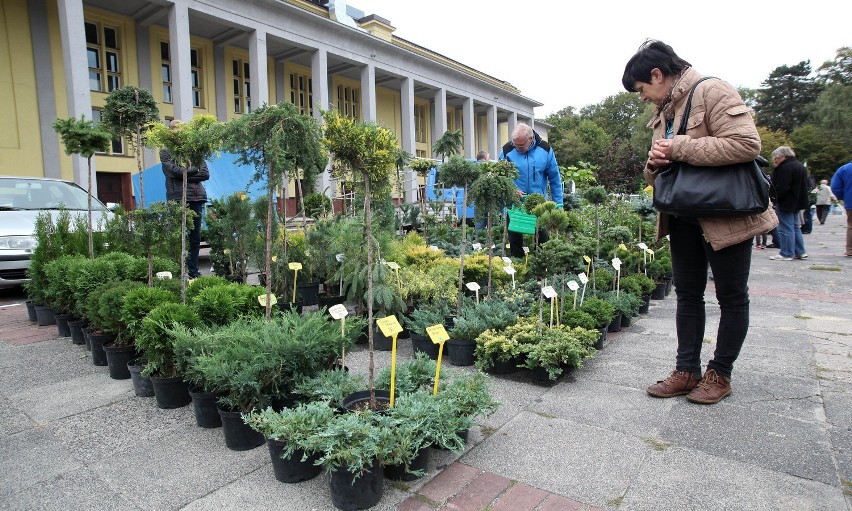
<point>651,54</point>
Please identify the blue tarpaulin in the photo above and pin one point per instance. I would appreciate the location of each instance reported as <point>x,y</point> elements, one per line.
<point>433,193</point>
<point>226,177</point>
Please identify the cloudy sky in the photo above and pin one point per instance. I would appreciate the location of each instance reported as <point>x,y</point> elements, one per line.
<point>563,53</point>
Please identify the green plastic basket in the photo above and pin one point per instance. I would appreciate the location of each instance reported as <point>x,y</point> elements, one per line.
<point>521,222</point>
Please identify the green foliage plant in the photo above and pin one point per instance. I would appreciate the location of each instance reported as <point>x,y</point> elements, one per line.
<point>127,112</point>
<point>329,386</point>
<point>60,274</point>
<point>493,191</point>
<point>413,375</point>
<point>156,230</point>
<point>627,304</point>
<point>600,309</point>
<point>495,345</point>
<point>368,151</point>
<point>317,205</point>
<point>578,318</point>
<point>91,275</point>
<point>190,145</point>
<point>479,317</point>
<point>291,426</point>
<point>109,306</point>
<point>154,338</point>
<point>561,346</point>
<point>278,141</point>
<point>638,284</point>
<point>426,315</point>
<point>84,138</point>
<point>231,230</point>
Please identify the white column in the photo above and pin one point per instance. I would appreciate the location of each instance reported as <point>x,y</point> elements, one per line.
<point>491,125</point>
<point>368,92</point>
<point>181,67</point>
<point>406,94</point>
<point>257,68</point>
<point>439,119</point>
<point>72,34</point>
<point>319,93</point>
<point>513,121</point>
<point>469,141</point>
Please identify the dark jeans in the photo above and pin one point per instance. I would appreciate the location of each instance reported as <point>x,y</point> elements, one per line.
<point>730,266</point>
<point>807,221</point>
<point>516,242</point>
<point>822,212</point>
<point>194,240</point>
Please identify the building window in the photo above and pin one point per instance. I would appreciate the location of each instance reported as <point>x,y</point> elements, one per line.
<point>195,75</point>
<point>104,56</point>
<point>166,71</point>
<point>420,123</point>
<point>117,145</point>
<point>347,101</point>
<point>300,93</point>
<point>242,86</point>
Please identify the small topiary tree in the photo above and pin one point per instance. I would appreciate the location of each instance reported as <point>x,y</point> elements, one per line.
<point>85,138</point>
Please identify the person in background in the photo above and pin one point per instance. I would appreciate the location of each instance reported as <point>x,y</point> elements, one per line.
<point>537,168</point>
<point>824,199</point>
<point>482,156</point>
<point>807,222</point>
<point>791,187</point>
<point>723,132</point>
<point>841,186</point>
<point>196,197</point>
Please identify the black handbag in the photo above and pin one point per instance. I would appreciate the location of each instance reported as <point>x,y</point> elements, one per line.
<point>735,190</point>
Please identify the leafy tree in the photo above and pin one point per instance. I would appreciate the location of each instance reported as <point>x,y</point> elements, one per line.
<point>83,137</point>
<point>839,70</point>
<point>785,98</point>
<point>276,140</point>
<point>614,114</point>
<point>126,113</point>
<point>460,172</point>
<point>449,144</point>
<point>189,145</point>
<point>770,139</point>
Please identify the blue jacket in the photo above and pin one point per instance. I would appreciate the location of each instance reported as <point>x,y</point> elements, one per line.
<point>841,184</point>
<point>536,168</point>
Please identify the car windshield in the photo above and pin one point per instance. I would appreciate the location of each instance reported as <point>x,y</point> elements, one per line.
<point>36,194</point>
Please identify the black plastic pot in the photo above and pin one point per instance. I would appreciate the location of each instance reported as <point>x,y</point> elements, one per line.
<point>62,325</point>
<point>615,324</point>
<point>308,292</point>
<point>142,385</point>
<point>286,306</point>
<point>381,342</point>
<point>44,316</point>
<point>97,345</point>
<point>461,351</point>
<point>171,392</point>
<point>117,358</point>
<point>669,285</point>
<point>659,292</point>
<point>601,340</point>
<point>292,469</point>
<point>329,301</point>
<point>364,492</point>
<point>646,304</point>
<point>31,312</point>
<point>626,320</point>
<point>75,327</point>
<point>504,366</point>
<point>398,472</point>
<point>359,400</point>
<point>87,338</point>
<point>204,408</point>
<point>424,344</point>
<point>238,435</point>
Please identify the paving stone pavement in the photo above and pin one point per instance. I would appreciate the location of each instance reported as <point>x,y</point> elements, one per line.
<point>72,438</point>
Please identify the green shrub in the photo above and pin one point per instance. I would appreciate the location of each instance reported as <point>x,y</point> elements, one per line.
<point>154,338</point>
<point>600,310</point>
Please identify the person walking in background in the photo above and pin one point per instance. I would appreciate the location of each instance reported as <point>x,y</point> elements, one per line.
<point>536,164</point>
<point>841,185</point>
<point>807,222</point>
<point>196,197</point>
<point>791,188</point>
<point>824,199</point>
<point>723,133</point>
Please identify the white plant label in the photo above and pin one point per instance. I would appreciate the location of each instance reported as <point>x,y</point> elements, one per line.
<point>573,286</point>
<point>392,265</point>
<point>433,247</point>
<point>643,246</point>
<point>164,275</point>
<point>507,260</point>
<point>548,292</point>
<point>526,250</point>
<point>616,263</point>
<point>473,286</point>
<point>509,270</point>
<point>477,246</point>
<point>338,311</point>
<point>583,278</point>
<point>340,258</point>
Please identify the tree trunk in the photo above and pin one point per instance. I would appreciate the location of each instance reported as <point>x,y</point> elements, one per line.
<point>91,238</point>
<point>490,242</point>
<point>139,167</point>
<point>505,235</point>
<point>368,226</point>
<point>150,267</point>
<point>461,254</point>
<point>302,204</point>
<point>269,252</point>
<point>183,239</point>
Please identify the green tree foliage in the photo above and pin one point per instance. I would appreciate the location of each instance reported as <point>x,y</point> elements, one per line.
<point>785,99</point>
<point>449,144</point>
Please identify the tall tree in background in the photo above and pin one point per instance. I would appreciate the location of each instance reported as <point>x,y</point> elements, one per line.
<point>784,101</point>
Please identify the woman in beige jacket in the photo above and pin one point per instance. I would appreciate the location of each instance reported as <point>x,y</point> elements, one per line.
<point>720,130</point>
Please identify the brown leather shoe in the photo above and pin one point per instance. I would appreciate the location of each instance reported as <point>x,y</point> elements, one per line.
<point>677,384</point>
<point>713,388</point>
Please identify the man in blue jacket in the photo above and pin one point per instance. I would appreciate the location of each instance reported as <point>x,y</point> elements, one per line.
<point>841,186</point>
<point>536,164</point>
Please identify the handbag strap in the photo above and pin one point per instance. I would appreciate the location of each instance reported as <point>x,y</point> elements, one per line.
<point>682,129</point>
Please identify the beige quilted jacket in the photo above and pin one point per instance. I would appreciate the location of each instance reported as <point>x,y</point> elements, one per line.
<point>720,131</point>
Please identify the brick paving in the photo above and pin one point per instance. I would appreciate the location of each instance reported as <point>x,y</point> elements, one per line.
<point>16,328</point>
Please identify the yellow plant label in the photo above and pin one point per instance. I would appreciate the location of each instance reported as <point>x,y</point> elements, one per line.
<point>261,299</point>
<point>295,266</point>
<point>389,326</point>
<point>437,333</point>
